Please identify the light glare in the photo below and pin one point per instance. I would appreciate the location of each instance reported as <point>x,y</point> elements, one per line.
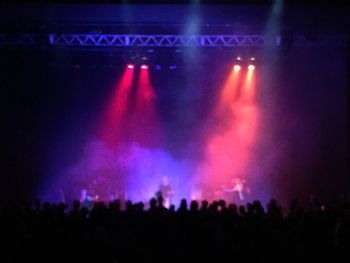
<point>251,67</point>
<point>236,67</point>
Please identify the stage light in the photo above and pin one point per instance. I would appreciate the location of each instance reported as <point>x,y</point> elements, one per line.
<point>144,66</point>
<point>252,58</point>
<point>239,58</point>
<point>251,67</point>
<point>131,66</point>
<point>236,68</point>
<point>172,67</point>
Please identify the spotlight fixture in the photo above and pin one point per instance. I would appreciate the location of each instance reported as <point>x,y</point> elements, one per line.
<point>173,67</point>
<point>144,66</point>
<point>252,59</point>
<point>251,67</point>
<point>239,58</point>
<point>130,66</point>
<point>236,67</point>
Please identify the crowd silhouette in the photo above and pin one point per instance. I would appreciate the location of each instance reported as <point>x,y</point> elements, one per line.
<point>126,231</point>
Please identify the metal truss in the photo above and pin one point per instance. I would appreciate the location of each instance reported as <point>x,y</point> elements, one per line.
<point>125,40</point>
<point>120,40</point>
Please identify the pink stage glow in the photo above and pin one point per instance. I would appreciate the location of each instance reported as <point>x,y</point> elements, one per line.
<point>230,148</point>
<point>144,121</point>
<point>144,66</point>
<point>114,117</point>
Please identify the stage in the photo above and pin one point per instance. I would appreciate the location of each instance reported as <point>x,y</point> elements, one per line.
<point>228,102</point>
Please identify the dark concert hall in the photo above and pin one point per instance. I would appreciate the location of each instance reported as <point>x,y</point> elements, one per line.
<point>167,130</point>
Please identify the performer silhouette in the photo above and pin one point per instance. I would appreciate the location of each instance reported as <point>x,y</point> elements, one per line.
<point>165,191</point>
<point>239,186</point>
